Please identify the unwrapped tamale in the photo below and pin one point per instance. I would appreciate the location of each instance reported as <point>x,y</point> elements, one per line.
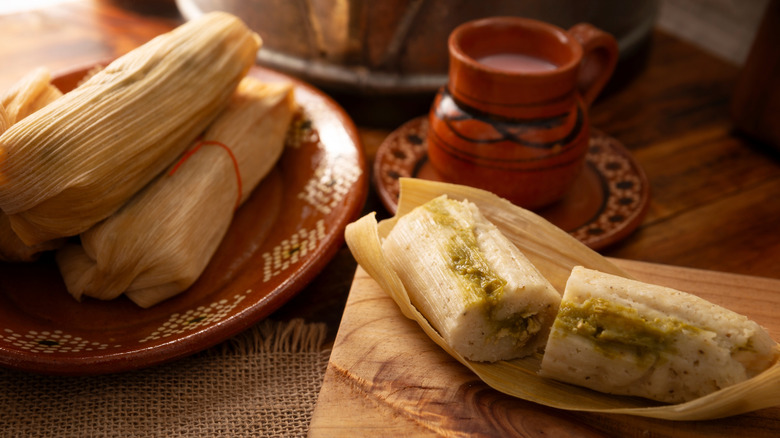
<point>76,161</point>
<point>623,336</point>
<point>158,244</point>
<point>482,295</point>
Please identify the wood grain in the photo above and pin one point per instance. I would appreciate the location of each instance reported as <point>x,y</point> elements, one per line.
<point>713,206</point>
<point>386,378</point>
<point>75,34</point>
<point>713,192</point>
<point>756,103</point>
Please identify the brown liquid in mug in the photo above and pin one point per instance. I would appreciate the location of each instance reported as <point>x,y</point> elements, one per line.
<point>516,63</point>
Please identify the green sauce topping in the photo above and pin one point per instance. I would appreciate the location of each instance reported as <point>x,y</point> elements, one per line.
<point>614,328</point>
<point>465,259</point>
<point>482,285</point>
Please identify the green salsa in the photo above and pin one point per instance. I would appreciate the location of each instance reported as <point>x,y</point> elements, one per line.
<point>482,285</point>
<point>613,327</point>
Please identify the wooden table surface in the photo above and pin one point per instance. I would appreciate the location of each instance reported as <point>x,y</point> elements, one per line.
<point>715,194</point>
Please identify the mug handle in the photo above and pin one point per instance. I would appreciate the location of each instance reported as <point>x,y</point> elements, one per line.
<point>599,57</point>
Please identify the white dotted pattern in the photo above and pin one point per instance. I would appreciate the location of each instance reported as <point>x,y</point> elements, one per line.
<point>330,183</point>
<point>48,342</point>
<point>292,250</point>
<point>301,132</point>
<point>179,323</point>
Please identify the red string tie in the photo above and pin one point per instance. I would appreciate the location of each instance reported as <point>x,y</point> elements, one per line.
<point>197,146</point>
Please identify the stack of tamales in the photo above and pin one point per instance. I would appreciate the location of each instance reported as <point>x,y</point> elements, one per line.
<point>117,160</point>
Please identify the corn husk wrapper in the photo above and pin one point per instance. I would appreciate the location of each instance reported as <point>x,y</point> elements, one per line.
<point>159,243</point>
<point>31,93</point>
<point>76,161</point>
<point>12,249</point>
<point>555,253</point>
<point>5,120</point>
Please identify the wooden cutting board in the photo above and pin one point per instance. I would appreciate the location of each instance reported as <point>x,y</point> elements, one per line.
<point>386,378</point>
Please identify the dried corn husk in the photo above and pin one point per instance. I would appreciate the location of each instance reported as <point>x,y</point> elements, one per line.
<point>76,161</point>
<point>5,121</point>
<point>12,249</point>
<point>158,244</point>
<point>554,253</point>
<point>30,94</point>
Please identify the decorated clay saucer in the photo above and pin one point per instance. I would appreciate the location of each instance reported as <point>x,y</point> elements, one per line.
<point>606,203</point>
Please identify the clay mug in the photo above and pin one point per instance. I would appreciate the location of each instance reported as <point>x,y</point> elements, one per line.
<point>513,116</point>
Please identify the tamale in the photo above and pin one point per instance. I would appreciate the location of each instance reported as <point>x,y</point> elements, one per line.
<point>554,253</point>
<point>478,290</point>
<point>158,244</point>
<point>12,249</point>
<point>76,161</point>
<point>627,337</point>
<point>49,94</point>
<point>30,94</point>
<point>5,121</point>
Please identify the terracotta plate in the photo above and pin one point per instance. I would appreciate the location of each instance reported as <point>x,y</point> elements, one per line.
<point>608,200</point>
<point>292,225</point>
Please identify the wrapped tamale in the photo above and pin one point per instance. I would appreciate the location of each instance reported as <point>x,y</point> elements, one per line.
<point>623,336</point>
<point>5,121</point>
<point>473,285</point>
<point>158,244</point>
<point>28,95</point>
<point>12,249</point>
<point>76,161</point>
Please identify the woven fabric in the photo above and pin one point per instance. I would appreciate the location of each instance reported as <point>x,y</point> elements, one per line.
<point>263,383</point>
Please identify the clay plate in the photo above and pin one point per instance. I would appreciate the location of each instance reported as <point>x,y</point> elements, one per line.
<point>279,240</point>
<point>606,203</point>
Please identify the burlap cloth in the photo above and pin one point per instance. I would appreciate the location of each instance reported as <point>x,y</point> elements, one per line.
<point>264,382</point>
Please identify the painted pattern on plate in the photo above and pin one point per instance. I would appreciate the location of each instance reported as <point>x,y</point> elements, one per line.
<point>55,341</point>
<point>624,187</point>
<point>193,319</point>
<point>623,191</point>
